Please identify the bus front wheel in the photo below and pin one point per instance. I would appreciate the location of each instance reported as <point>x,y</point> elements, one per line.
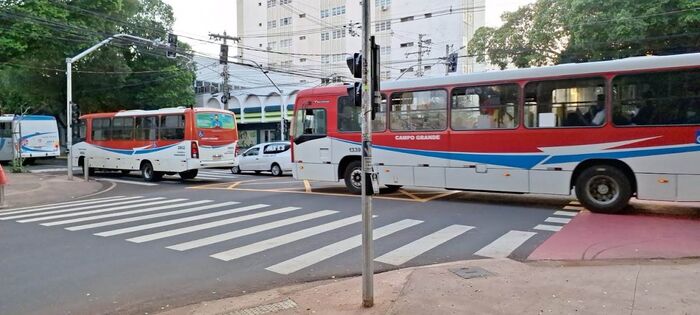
<point>191,174</point>
<point>603,189</point>
<point>148,174</point>
<point>353,178</point>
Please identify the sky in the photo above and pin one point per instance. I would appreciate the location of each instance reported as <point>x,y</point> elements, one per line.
<point>200,17</point>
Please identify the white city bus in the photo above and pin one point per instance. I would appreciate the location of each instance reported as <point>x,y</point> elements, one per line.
<point>29,136</point>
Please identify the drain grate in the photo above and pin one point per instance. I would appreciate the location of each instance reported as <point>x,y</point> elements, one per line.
<point>265,309</point>
<point>472,272</point>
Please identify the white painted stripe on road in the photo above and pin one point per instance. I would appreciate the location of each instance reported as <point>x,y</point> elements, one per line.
<point>503,246</point>
<point>566,213</point>
<point>557,220</point>
<point>124,201</point>
<point>248,231</point>
<point>146,217</point>
<point>121,214</point>
<point>61,205</point>
<point>547,227</point>
<point>176,221</point>
<point>316,256</point>
<point>284,239</point>
<point>132,182</point>
<point>413,249</point>
<point>204,226</point>
<point>75,214</point>
<point>53,170</point>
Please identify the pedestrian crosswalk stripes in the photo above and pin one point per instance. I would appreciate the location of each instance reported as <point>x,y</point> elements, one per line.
<point>412,250</point>
<point>261,227</point>
<point>52,210</point>
<point>285,239</point>
<point>121,214</point>
<point>248,231</point>
<point>147,217</point>
<point>504,245</point>
<point>189,229</point>
<point>152,202</point>
<point>326,252</point>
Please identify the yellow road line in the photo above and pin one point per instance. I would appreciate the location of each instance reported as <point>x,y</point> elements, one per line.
<point>440,196</point>
<point>234,185</point>
<point>411,195</point>
<point>307,186</point>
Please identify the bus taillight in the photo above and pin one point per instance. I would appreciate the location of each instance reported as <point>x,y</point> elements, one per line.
<point>195,150</point>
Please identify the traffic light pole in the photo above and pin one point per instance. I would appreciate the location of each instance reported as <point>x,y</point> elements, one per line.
<point>69,91</point>
<point>367,239</point>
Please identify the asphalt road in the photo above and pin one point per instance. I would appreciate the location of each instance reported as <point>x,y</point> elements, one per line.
<point>140,248</point>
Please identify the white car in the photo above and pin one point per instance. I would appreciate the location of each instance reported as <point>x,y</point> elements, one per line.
<point>274,157</point>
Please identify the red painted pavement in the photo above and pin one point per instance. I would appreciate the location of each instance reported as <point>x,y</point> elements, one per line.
<point>592,236</point>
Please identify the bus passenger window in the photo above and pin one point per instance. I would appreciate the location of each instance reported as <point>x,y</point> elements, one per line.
<point>310,122</point>
<point>172,127</point>
<point>82,130</point>
<point>349,119</point>
<point>123,128</point>
<point>419,111</point>
<point>379,122</point>
<point>667,98</point>
<point>565,103</point>
<point>101,129</point>
<point>485,107</point>
<point>146,128</point>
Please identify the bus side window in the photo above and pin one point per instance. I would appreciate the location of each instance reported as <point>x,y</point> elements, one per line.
<point>101,129</point>
<point>565,103</point>
<point>419,111</point>
<point>82,131</point>
<point>379,122</point>
<point>172,127</point>
<point>123,128</point>
<point>146,128</point>
<point>311,122</point>
<point>485,107</point>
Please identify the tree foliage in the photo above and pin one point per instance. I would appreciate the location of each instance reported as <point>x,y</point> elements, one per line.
<point>560,31</point>
<point>36,36</point>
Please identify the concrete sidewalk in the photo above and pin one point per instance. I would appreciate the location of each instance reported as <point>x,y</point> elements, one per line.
<point>644,287</point>
<point>31,189</point>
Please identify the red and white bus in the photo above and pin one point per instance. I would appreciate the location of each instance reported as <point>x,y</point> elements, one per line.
<point>158,142</point>
<point>607,130</point>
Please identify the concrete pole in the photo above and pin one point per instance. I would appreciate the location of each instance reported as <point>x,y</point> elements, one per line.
<point>367,239</point>
<point>69,115</point>
<point>86,168</point>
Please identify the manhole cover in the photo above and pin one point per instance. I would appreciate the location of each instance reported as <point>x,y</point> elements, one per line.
<point>472,272</point>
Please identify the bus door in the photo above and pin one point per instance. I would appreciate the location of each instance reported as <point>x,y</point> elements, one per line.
<point>312,147</point>
<point>6,142</point>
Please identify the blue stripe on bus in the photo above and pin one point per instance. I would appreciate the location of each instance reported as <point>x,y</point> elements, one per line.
<point>136,152</point>
<point>557,159</point>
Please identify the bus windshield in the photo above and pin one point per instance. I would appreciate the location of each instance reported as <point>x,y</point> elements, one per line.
<point>215,121</point>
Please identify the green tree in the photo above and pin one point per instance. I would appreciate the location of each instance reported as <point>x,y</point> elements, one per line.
<point>561,31</point>
<point>36,36</point>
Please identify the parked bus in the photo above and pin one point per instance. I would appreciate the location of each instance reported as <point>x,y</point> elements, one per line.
<point>606,130</point>
<point>158,142</point>
<point>29,136</point>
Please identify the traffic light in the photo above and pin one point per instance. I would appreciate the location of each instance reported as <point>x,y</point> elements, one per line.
<point>223,55</point>
<point>374,77</point>
<point>172,46</point>
<point>452,62</point>
<point>75,113</point>
<point>355,91</point>
<point>355,65</point>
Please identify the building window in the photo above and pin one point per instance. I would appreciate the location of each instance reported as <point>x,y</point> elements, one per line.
<point>338,10</point>
<point>406,45</point>
<point>302,37</point>
<point>286,43</point>
<point>385,50</point>
<point>565,103</point>
<point>665,98</point>
<point>286,64</point>
<point>325,13</point>
<point>485,107</point>
<point>285,1</point>
<point>419,111</point>
<point>325,59</point>
<point>302,60</point>
<point>338,34</point>
<point>385,75</point>
<point>271,45</point>
<point>271,3</point>
<point>325,36</point>
<point>428,15</point>
<point>271,24</point>
<point>339,58</point>
<point>406,19</point>
<point>286,21</point>
<point>426,68</point>
<point>303,15</point>
<point>382,3</point>
<point>382,26</point>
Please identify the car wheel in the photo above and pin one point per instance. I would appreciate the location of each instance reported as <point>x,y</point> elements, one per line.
<point>236,170</point>
<point>276,170</point>
<point>603,189</point>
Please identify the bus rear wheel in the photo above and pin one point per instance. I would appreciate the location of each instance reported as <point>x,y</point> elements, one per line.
<point>603,189</point>
<point>191,174</point>
<point>148,174</point>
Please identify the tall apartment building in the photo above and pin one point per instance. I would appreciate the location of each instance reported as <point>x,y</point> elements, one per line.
<point>315,36</point>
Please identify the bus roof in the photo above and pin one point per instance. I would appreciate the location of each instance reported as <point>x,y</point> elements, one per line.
<point>162,111</point>
<point>12,117</point>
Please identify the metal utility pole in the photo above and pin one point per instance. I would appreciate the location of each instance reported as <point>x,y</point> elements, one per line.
<point>423,49</point>
<point>223,59</point>
<point>367,239</point>
<point>69,83</point>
